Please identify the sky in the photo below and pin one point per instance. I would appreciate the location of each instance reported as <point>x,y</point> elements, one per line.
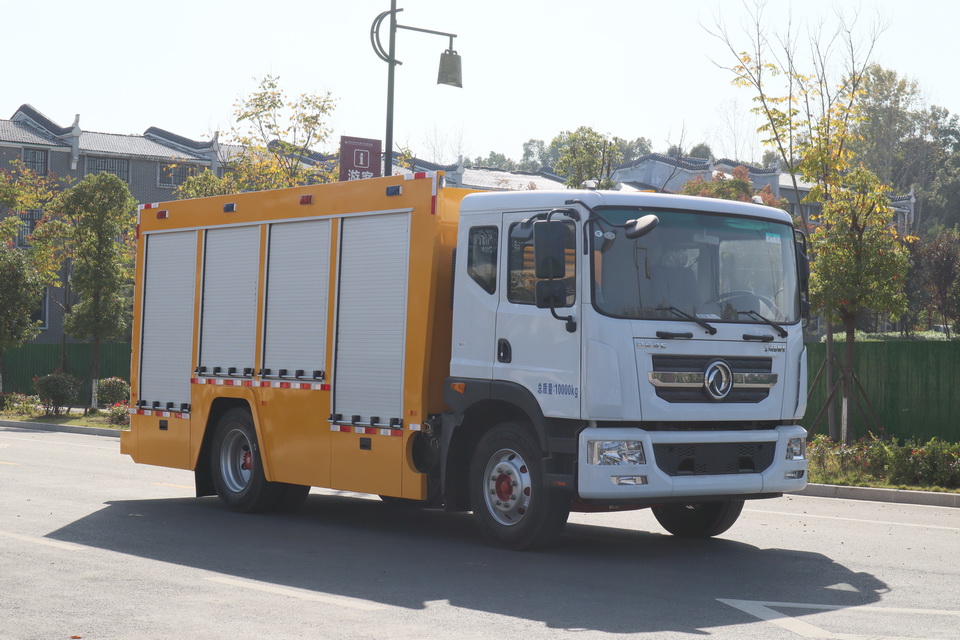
<point>531,68</point>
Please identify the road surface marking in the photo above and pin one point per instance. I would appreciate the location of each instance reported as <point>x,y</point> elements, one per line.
<point>12,464</point>
<point>67,546</point>
<point>767,612</point>
<point>861,520</point>
<point>312,596</point>
<point>167,484</point>
<point>66,444</point>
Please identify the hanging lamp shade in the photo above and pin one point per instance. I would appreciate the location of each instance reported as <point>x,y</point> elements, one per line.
<point>450,70</point>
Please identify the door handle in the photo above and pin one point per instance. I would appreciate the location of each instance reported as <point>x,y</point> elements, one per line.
<point>504,350</point>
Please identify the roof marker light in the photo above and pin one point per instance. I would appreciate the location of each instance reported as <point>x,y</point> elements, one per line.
<point>308,199</point>
<point>230,207</point>
<point>163,214</point>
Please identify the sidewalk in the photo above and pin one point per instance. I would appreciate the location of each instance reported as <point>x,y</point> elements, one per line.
<point>895,496</point>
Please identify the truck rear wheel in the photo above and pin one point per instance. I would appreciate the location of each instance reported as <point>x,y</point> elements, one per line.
<point>508,493</point>
<point>700,520</point>
<point>238,469</point>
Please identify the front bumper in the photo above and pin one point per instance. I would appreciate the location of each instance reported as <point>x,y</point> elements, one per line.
<point>637,482</point>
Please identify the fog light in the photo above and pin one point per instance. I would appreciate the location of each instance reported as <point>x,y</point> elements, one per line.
<point>628,481</point>
<point>615,452</point>
<point>796,448</point>
<point>793,475</point>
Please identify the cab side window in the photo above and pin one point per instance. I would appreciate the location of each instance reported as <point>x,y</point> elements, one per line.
<point>482,257</point>
<point>522,282</point>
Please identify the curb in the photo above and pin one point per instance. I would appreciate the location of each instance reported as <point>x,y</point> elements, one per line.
<point>895,496</point>
<point>60,428</point>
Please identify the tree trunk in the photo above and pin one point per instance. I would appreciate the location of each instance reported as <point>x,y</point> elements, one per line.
<point>94,373</point>
<point>832,429</point>
<point>848,382</point>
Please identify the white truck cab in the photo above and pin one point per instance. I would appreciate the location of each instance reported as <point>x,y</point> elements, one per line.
<point>652,343</point>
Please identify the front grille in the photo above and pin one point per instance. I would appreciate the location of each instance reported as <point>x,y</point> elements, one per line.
<point>698,364</point>
<point>714,459</point>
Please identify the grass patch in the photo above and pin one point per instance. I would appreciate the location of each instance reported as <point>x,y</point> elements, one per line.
<point>101,420</point>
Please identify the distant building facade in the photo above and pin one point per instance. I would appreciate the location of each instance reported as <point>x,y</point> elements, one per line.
<point>153,165</point>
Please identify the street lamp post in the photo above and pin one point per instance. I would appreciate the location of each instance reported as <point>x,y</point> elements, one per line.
<point>449,74</point>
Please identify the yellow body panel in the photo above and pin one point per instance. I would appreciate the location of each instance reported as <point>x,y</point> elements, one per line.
<point>298,443</point>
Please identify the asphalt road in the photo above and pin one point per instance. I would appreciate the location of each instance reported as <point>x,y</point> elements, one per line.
<point>94,546</point>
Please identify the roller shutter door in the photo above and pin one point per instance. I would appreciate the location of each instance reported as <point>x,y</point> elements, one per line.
<point>229,318</point>
<point>371,317</point>
<point>297,285</point>
<point>167,331</point>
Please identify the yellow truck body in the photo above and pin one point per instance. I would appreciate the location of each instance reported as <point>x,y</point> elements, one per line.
<point>305,438</point>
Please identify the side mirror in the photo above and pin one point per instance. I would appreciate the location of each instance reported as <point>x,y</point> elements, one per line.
<point>523,230</point>
<point>640,227</point>
<point>549,255</point>
<point>550,294</point>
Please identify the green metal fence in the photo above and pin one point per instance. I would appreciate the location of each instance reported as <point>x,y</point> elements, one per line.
<point>913,386</point>
<point>22,364</point>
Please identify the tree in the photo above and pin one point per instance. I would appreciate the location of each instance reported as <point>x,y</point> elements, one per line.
<point>534,156</point>
<point>586,155</point>
<point>859,263</point>
<point>810,119</point>
<point>275,136</point>
<point>632,150</point>
<point>496,161</point>
<point>102,211</point>
<point>21,292</point>
<point>702,151</point>
<point>891,113</point>
<point>737,187</point>
<point>941,255</point>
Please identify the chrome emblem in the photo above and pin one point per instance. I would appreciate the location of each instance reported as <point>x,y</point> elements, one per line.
<point>718,379</point>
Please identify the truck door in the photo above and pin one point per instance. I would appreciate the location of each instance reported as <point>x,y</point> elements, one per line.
<point>534,349</point>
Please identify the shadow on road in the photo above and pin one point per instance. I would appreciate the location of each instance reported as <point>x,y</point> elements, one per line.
<point>596,578</point>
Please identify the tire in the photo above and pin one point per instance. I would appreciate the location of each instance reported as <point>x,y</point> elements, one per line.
<point>513,506</point>
<point>700,520</point>
<point>238,468</point>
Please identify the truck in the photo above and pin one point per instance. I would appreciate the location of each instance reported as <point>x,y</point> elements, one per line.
<point>520,355</point>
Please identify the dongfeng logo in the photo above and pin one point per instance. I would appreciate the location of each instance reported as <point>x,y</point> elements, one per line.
<point>718,379</point>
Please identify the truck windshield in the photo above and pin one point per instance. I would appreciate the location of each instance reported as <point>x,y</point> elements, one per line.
<point>713,267</point>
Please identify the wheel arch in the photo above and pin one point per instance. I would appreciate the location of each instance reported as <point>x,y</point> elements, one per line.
<point>480,405</point>
<point>203,472</point>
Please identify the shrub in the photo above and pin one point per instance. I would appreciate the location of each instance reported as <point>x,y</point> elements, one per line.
<point>119,413</point>
<point>932,464</point>
<point>58,392</point>
<point>19,404</point>
<point>110,391</point>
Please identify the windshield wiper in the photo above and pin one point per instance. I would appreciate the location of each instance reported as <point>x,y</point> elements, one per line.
<point>686,316</point>
<point>756,316</point>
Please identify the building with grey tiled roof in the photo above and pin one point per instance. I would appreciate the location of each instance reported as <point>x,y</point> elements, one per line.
<point>152,165</point>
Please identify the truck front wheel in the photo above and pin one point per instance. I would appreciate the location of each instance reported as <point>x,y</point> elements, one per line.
<point>700,520</point>
<point>508,492</point>
<point>238,469</point>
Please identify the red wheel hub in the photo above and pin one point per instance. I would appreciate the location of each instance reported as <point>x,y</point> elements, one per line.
<point>504,487</point>
<point>247,463</point>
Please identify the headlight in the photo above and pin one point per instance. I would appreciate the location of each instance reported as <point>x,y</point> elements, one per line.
<point>615,452</point>
<point>796,448</point>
